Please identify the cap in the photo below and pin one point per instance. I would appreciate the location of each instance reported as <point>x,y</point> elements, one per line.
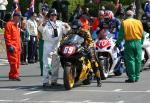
<point>53,12</point>
<point>16,14</point>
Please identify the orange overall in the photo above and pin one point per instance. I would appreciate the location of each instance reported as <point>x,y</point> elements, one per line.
<point>12,38</point>
<point>85,24</point>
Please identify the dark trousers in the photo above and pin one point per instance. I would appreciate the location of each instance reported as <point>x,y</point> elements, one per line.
<point>24,52</point>
<point>32,49</point>
<point>2,14</point>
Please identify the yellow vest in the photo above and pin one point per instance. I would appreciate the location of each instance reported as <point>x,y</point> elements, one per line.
<point>133,29</point>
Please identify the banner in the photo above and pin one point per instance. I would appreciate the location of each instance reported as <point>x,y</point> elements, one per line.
<point>32,6</point>
<point>16,7</point>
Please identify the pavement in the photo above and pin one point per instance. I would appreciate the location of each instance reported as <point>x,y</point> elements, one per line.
<point>29,90</point>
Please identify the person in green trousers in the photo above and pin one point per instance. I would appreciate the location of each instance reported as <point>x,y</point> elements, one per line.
<point>41,44</point>
<point>132,32</point>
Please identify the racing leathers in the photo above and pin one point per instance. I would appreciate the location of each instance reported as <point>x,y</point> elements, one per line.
<point>113,25</point>
<point>88,42</point>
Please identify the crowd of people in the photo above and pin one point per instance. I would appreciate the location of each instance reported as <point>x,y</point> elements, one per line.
<point>44,31</point>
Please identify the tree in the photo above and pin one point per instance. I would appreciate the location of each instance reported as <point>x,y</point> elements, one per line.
<point>138,8</point>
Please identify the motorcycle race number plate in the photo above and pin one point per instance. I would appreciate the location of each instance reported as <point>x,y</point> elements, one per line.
<point>103,43</point>
<point>68,50</point>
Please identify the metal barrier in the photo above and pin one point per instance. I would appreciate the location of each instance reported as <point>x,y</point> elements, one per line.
<point>3,55</point>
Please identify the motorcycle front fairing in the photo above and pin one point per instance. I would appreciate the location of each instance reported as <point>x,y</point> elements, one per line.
<point>104,50</point>
<point>69,50</point>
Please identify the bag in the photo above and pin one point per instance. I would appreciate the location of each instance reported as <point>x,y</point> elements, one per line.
<point>55,33</point>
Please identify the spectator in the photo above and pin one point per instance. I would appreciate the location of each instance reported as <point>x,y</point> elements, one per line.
<point>7,17</point>
<point>77,13</point>
<point>43,6</point>
<point>57,5</point>
<point>64,6</point>
<point>28,13</point>
<point>12,40</point>
<point>85,22</point>
<point>42,20</point>
<point>24,41</point>
<point>118,7</point>
<point>16,6</point>
<point>3,4</point>
<point>132,32</point>
<point>131,7</point>
<point>96,21</point>
<point>147,7</point>
<point>32,28</point>
<point>52,33</point>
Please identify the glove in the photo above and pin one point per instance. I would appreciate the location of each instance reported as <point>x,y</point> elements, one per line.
<point>11,49</point>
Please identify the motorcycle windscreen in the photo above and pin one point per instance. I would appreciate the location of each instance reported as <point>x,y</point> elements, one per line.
<point>74,39</point>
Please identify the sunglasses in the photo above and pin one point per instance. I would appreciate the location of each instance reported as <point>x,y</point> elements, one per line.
<point>53,15</point>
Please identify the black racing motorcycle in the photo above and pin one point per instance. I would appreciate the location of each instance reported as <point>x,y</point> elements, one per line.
<point>74,58</point>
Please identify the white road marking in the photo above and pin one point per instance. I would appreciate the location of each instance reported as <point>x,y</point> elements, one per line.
<point>6,89</point>
<point>106,91</point>
<point>13,101</point>
<point>86,101</point>
<point>25,99</point>
<point>117,90</point>
<point>148,90</point>
<point>121,101</point>
<point>34,88</point>
<point>33,92</point>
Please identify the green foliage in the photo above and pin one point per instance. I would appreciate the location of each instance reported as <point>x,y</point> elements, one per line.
<point>73,4</point>
<point>126,2</point>
<point>24,4</point>
<point>95,7</point>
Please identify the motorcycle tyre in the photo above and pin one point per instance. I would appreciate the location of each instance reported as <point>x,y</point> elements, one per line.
<point>103,73</point>
<point>68,78</point>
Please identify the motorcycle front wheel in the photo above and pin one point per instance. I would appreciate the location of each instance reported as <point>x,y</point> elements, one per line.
<point>69,78</point>
<point>104,68</point>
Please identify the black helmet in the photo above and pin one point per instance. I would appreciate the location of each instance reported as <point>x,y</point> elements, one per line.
<point>76,24</point>
<point>52,12</point>
<point>7,17</point>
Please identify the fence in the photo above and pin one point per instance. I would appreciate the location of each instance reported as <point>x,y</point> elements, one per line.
<point>3,56</point>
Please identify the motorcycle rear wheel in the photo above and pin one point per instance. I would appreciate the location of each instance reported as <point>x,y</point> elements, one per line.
<point>69,78</point>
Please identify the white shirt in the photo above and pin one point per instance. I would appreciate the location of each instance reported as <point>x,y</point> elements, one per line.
<point>32,27</point>
<point>3,4</point>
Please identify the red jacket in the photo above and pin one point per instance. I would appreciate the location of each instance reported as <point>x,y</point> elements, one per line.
<point>95,24</point>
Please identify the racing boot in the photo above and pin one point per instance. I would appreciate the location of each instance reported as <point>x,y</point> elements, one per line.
<point>98,78</point>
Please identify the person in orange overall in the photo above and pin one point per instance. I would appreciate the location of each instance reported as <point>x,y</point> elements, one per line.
<point>12,40</point>
<point>85,22</point>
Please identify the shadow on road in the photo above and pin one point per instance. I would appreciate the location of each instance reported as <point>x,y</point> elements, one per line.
<point>35,88</point>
